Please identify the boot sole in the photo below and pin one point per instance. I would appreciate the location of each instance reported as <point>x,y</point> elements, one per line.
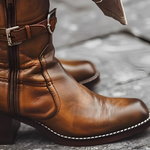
<point>85,141</point>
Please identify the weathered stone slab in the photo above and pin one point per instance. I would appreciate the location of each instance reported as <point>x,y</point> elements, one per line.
<point>136,89</point>
<point>80,20</point>
<point>120,58</point>
<point>138,17</point>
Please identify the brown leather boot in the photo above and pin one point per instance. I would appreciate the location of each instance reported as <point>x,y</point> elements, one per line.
<point>83,72</point>
<point>113,8</point>
<point>36,90</point>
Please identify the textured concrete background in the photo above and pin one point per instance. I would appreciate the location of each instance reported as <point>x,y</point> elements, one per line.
<point>123,59</point>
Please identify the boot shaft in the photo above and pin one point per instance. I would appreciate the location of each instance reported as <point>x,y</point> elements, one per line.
<point>22,13</point>
<point>25,11</point>
<point>23,77</point>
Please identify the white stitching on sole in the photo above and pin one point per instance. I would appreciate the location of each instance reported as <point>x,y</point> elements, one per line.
<point>95,137</point>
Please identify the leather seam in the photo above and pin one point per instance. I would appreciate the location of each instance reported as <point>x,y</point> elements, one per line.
<point>25,83</point>
<point>54,95</point>
<point>51,92</point>
<point>41,57</point>
<point>33,84</point>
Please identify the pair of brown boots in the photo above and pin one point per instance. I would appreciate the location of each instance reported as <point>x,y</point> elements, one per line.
<point>36,90</point>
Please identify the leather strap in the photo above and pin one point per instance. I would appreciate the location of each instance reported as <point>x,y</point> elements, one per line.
<point>29,31</point>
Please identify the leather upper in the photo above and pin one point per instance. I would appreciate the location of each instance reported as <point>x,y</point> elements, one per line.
<point>47,93</point>
<point>81,71</point>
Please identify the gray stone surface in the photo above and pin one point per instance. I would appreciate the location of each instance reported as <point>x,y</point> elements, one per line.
<point>80,20</point>
<point>120,58</point>
<point>83,32</point>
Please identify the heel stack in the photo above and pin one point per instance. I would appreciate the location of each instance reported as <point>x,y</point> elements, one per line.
<point>8,129</point>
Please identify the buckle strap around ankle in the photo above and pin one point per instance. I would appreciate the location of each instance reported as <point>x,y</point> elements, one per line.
<point>16,35</point>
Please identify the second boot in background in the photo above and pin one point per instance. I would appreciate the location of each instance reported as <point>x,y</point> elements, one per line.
<point>83,72</point>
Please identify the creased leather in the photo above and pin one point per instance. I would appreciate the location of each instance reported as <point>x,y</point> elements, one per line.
<point>80,70</point>
<point>31,12</point>
<point>48,94</point>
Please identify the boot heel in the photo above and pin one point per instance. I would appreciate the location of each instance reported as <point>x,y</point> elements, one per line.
<point>8,129</point>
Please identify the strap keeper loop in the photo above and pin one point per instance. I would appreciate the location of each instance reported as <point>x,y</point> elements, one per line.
<point>28,30</point>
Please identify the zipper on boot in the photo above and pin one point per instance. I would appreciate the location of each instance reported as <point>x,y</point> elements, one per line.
<point>13,61</point>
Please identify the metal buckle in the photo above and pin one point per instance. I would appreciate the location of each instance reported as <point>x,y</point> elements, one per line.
<point>48,24</point>
<point>8,34</point>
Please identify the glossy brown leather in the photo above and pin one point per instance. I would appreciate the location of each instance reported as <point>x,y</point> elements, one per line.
<point>82,71</point>
<point>46,93</point>
<point>113,8</point>
<point>26,32</point>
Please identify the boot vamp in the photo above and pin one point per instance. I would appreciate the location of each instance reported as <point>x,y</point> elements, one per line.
<point>84,113</point>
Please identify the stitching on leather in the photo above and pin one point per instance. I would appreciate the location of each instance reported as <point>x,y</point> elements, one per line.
<point>58,97</point>
<point>54,95</point>
<point>25,83</point>
<point>32,84</point>
<point>47,82</point>
<point>95,137</point>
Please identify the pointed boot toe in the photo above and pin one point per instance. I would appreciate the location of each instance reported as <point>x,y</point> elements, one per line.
<point>83,72</point>
<point>139,109</point>
<point>128,113</point>
<point>92,119</point>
